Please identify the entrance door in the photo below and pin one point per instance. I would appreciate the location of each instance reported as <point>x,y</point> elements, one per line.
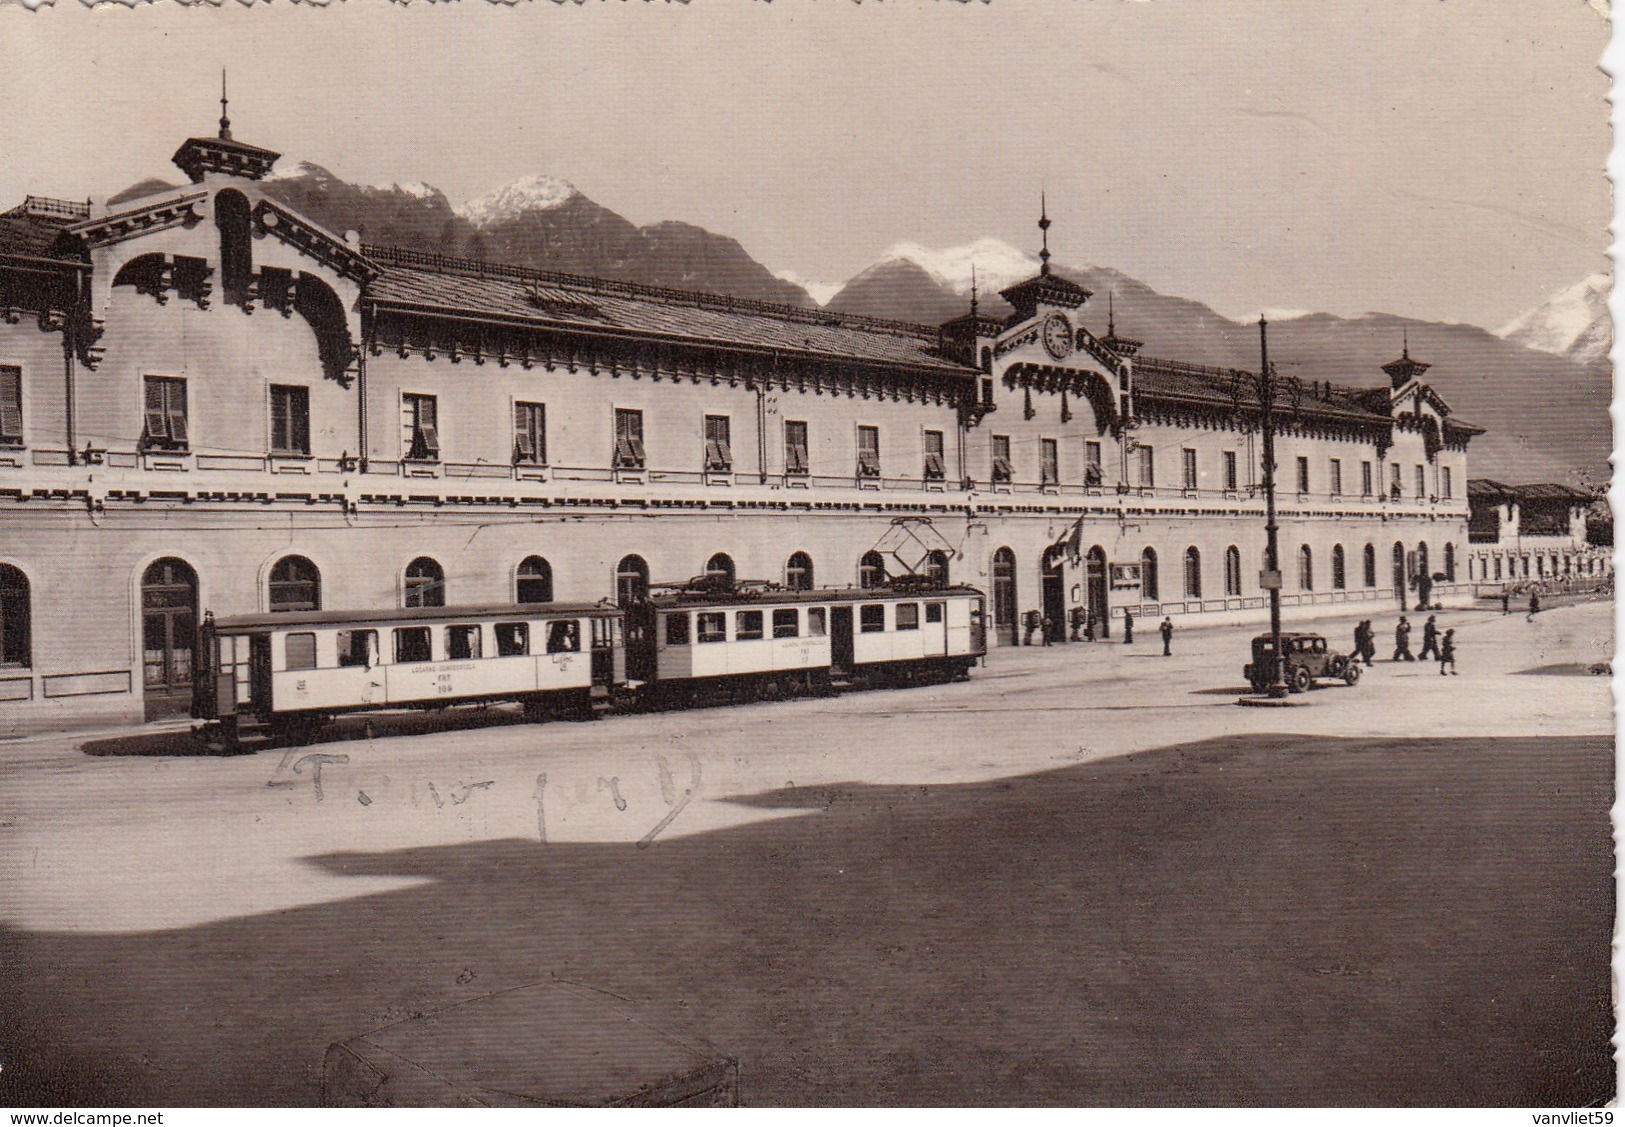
<point>1096,573</point>
<point>1004,597</point>
<point>840,639</point>
<point>1399,573</point>
<point>1054,598</point>
<point>168,633</point>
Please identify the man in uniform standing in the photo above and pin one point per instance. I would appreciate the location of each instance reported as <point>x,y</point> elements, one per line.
<point>1167,630</point>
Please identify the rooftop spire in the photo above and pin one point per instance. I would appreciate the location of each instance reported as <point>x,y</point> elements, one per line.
<point>1406,338</point>
<point>973,289</point>
<point>225,122</point>
<point>1043,227</point>
<point>1111,312</point>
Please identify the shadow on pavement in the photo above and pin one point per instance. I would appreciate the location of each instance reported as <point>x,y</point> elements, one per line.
<point>1254,920</point>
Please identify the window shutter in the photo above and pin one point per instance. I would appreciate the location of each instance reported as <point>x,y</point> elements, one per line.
<point>933,465</point>
<point>177,420</point>
<point>11,403</point>
<point>636,443</point>
<point>300,409</point>
<point>429,435</point>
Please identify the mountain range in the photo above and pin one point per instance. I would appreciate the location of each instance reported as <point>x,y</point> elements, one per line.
<point>1541,387</point>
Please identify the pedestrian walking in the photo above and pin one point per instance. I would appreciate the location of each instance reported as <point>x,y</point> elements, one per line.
<point>1089,627</point>
<point>1167,630</point>
<point>1128,629</point>
<point>1402,640</point>
<point>1447,653</point>
<point>1534,606</point>
<point>1430,639</point>
<point>1506,601</point>
<point>1047,629</point>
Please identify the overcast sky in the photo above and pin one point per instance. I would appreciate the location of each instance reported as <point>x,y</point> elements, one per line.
<point>1436,158</point>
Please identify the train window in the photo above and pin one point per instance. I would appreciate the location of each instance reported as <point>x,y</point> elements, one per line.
<point>513,639</point>
<point>711,626</point>
<point>412,644</point>
<point>933,612</point>
<point>815,622</point>
<point>358,647</point>
<point>462,643</point>
<point>564,637</point>
<point>747,625</point>
<point>785,624</point>
<point>871,618</point>
<point>908,616</point>
<point>677,629</point>
<point>301,651</point>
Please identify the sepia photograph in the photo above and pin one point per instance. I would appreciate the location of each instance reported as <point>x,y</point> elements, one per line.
<point>806,553</point>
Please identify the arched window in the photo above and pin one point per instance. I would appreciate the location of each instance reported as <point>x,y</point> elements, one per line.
<point>1370,575</point>
<point>1306,569</point>
<point>1004,595</point>
<point>798,572</point>
<point>533,582</point>
<point>1497,567</point>
<point>871,570</point>
<point>1232,570</point>
<point>631,580</point>
<point>1339,572</point>
<point>936,567</point>
<point>1422,567</point>
<point>1148,575</point>
<point>1450,563</point>
<point>16,638</point>
<point>425,583</point>
<point>1193,573</point>
<point>169,597</point>
<point>296,584</point>
<point>720,568</point>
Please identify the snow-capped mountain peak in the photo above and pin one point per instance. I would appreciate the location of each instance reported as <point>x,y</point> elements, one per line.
<point>1573,322</point>
<point>997,263</point>
<point>299,170</point>
<point>533,193</point>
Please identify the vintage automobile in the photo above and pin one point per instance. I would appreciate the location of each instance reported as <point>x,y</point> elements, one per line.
<point>1305,656</point>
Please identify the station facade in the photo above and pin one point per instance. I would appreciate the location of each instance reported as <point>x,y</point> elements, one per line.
<point>1532,533</point>
<point>208,402</point>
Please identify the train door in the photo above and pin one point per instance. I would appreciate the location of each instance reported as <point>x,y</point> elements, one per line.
<point>259,672</point>
<point>1004,597</point>
<point>640,641</point>
<point>1054,594</point>
<point>1096,573</point>
<point>841,652</point>
<point>168,633</point>
<point>603,653</point>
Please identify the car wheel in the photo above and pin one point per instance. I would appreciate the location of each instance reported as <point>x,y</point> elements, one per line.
<point>1300,679</point>
<point>1352,673</point>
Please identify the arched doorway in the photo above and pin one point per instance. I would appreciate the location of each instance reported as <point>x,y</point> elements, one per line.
<point>533,582</point>
<point>296,584</point>
<point>425,583</point>
<point>798,572</point>
<point>1150,589</point>
<point>1054,595</point>
<point>1399,572</point>
<point>631,580</point>
<point>720,569</point>
<point>936,567</point>
<point>1095,582</point>
<point>1004,597</point>
<point>168,630</point>
<point>871,570</point>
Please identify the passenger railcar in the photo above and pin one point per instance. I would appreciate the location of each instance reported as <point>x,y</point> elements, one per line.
<point>290,671</point>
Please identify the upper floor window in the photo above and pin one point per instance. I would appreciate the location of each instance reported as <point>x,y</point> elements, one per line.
<point>719,457</point>
<point>1049,461</point>
<point>868,451</point>
<point>16,631</point>
<point>628,439</point>
<point>1337,477</point>
<point>1303,474</point>
<point>530,433</point>
<point>1092,473</point>
<point>1394,485</point>
<point>795,447</point>
<point>1230,470</point>
<point>1421,482</point>
<point>290,420</point>
<point>1365,479</point>
<point>1148,466</point>
<point>935,468</point>
<point>165,412</point>
<point>421,419</point>
<point>1445,489</point>
<point>1188,463</point>
<point>1002,470</point>
<point>11,406</point>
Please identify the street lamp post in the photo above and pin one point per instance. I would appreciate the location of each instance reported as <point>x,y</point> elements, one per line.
<point>1272,559</point>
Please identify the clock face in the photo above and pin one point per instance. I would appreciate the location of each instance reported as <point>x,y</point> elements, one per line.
<point>1057,336</point>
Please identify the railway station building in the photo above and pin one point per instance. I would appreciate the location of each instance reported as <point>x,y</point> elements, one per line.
<point>1532,533</point>
<point>208,402</point>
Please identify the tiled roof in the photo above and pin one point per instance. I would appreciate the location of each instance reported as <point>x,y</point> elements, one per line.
<point>1173,380</point>
<point>31,236</point>
<point>1489,488</point>
<point>418,280</point>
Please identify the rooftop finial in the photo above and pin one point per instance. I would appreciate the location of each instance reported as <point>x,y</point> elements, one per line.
<point>1406,337</point>
<point>1043,227</point>
<point>973,289</point>
<point>225,122</point>
<point>1111,313</point>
